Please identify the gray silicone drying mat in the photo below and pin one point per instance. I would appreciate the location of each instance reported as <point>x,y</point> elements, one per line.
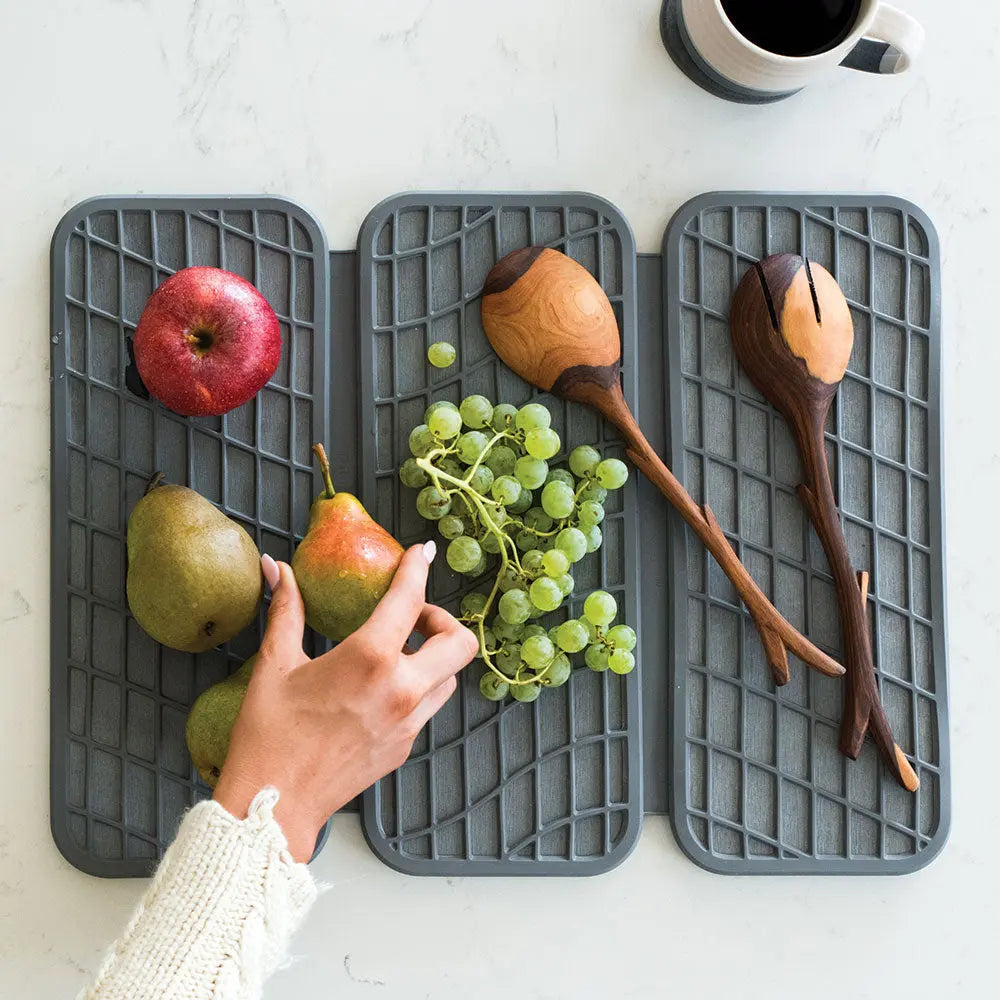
<point>554,787</point>
<point>120,772</point>
<point>758,783</point>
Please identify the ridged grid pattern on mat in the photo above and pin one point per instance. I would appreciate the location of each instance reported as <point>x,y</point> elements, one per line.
<point>759,784</point>
<point>555,786</point>
<point>121,775</point>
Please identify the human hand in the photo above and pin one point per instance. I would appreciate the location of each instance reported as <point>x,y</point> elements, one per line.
<point>323,730</point>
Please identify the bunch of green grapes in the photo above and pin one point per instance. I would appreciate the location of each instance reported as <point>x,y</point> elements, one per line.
<point>483,474</point>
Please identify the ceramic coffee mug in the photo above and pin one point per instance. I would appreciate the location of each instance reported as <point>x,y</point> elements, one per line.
<point>712,51</point>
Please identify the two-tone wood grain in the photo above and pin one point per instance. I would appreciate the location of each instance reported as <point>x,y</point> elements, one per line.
<point>792,332</point>
<point>551,322</point>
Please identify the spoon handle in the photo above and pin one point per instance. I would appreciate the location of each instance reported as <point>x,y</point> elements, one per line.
<point>776,634</point>
<point>863,709</point>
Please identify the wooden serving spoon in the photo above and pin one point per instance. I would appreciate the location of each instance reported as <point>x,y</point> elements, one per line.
<point>792,332</point>
<point>551,322</point>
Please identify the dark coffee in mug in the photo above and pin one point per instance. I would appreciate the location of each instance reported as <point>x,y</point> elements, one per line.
<point>793,27</point>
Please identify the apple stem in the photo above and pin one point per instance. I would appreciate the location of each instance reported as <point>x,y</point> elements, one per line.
<point>324,467</point>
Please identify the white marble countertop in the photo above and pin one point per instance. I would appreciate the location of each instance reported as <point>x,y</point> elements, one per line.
<point>338,105</point>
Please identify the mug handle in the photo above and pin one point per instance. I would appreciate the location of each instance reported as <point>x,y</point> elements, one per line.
<point>892,43</point>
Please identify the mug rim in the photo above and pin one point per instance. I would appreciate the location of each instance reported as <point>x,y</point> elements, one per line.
<point>866,10</point>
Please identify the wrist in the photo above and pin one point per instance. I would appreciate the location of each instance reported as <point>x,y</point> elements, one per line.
<point>300,829</point>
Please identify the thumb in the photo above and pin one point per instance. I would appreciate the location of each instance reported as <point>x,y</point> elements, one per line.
<point>286,617</point>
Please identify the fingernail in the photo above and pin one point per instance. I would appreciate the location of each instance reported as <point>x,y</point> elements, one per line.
<point>271,572</point>
<point>430,550</point>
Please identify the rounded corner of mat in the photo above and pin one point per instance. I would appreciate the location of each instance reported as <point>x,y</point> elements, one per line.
<point>302,214</point>
<point>694,851</point>
<point>918,862</point>
<point>72,217</point>
<point>70,849</point>
<point>597,202</point>
<point>376,215</point>
<point>692,207</point>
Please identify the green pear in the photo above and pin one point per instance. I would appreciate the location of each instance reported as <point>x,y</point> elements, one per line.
<point>345,562</point>
<point>211,720</point>
<point>194,578</point>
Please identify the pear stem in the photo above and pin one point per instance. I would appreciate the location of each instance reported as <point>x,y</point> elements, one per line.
<point>155,480</point>
<point>324,467</point>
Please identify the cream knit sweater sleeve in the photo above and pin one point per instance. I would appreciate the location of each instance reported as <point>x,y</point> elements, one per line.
<point>218,916</point>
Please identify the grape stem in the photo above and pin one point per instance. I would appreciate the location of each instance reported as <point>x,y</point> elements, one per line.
<point>481,503</point>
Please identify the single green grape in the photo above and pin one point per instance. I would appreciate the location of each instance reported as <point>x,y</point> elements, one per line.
<point>492,688</point>
<point>451,526</point>
<point>508,631</point>
<point>612,473</point>
<point>583,460</point>
<point>621,661</point>
<point>431,504</point>
<point>451,466</point>
<point>594,538</point>
<point>600,607</point>
<point>546,594</point>
<point>542,442</point>
<point>445,424</point>
<point>553,633</point>
<point>503,416</point>
<point>573,543</point>
<point>506,489</point>
<point>509,579</point>
<point>500,460</point>
<point>509,658</point>
<point>439,404</point>
<point>537,651</point>
<point>534,559</point>
<point>515,606</point>
<point>473,603</point>
<point>531,472</point>
<point>476,410</point>
<point>532,630</point>
<point>490,543</point>
<point>596,658</point>
<point>410,474</point>
<point>525,541</point>
<point>562,476</point>
<point>590,627</point>
<point>622,637</point>
<point>593,492</point>
<point>572,636</point>
<point>555,562</point>
<point>537,520</point>
<point>566,584</point>
<point>522,503</point>
<point>525,692</point>
<point>589,513</point>
<point>558,673</point>
<point>421,441</point>
<point>558,500</point>
<point>463,554</point>
<point>481,480</point>
<point>471,445</point>
<point>441,354</point>
<point>532,415</point>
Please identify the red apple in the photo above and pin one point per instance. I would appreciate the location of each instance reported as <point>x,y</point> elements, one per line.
<point>206,342</point>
